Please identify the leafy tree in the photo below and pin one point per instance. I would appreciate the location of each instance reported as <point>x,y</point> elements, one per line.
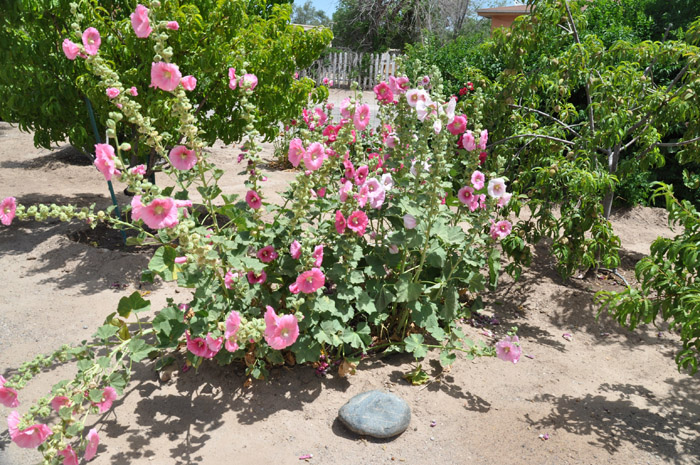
<point>307,14</point>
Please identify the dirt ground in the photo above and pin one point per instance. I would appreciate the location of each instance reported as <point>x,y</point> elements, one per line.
<point>606,396</point>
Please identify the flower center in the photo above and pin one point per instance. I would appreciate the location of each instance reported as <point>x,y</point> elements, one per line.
<point>167,74</point>
<point>284,333</point>
<point>158,210</point>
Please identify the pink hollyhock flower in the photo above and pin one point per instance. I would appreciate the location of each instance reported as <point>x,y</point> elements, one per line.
<point>483,139</point>
<point>232,79</point>
<point>199,347</point>
<point>357,221</point>
<point>310,281</point>
<point>505,198</point>
<point>138,169</point>
<point>349,168</point>
<point>466,195</point>
<point>414,96</point>
<point>109,395</point>
<point>321,192</point>
<point>361,196</point>
<point>165,76</point>
<point>140,22</point>
<point>105,161</point>
<point>91,40</point>
<point>318,255</point>
<point>8,207</point>
<point>425,81</point>
<point>314,156</point>
<point>344,108</point>
<point>361,175</point>
<point>71,49</point>
<point>387,181</point>
<point>383,93</point>
<point>160,213</point>
<point>375,192</point>
<point>345,190</point>
<point>254,278</point>
<point>295,250</point>
<point>296,151</point>
<point>181,260</point>
<point>409,221</point>
<point>280,331</point>
<point>189,82</point>
<point>501,229</point>
<point>458,125</point>
<point>330,132</point>
<point>69,455</point>
<point>173,25</point>
<point>496,188</point>
<point>253,200</point>
<point>214,345</point>
<point>361,117</point>
<point>508,349</point>
<point>182,158</point>
<point>320,115</point>
<point>229,278</point>
<point>340,223</point>
<point>248,81</point>
<point>28,438</point>
<point>60,401</point>
<point>293,288</point>
<point>482,157</point>
<point>450,112</point>
<point>267,254</point>
<point>8,396</point>
<point>93,440</point>
<point>468,141</point>
<point>437,126</point>
<point>134,92</point>
<point>398,85</point>
<point>478,180</point>
<point>233,324</point>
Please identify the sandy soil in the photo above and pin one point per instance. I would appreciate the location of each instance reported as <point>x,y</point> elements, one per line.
<point>606,396</point>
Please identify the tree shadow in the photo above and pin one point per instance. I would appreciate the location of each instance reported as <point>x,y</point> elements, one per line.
<point>626,413</point>
<point>65,155</point>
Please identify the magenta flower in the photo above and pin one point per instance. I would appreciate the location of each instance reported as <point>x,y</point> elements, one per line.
<point>182,158</point>
<point>160,213</point>
<point>340,223</point>
<point>295,250</point>
<point>69,455</point>
<point>93,440</point>
<point>466,195</point>
<point>233,324</point>
<point>409,221</point>
<point>8,396</point>
<point>383,92</point>
<point>198,346</point>
<point>361,175</point>
<point>133,91</point>
<point>91,40</point>
<point>254,278</point>
<point>478,180</point>
<point>105,161</point>
<point>314,156</point>
<point>232,79</point>
<point>508,349</point>
<point>248,81</point>
<point>468,141</point>
<point>318,255</point>
<point>28,438</point>
<point>310,281</point>
<point>321,192</point>
<point>357,221</point>
<point>70,49</point>
<point>398,85</point>
<point>109,395</point>
<point>361,117</point>
<point>483,139</point>
<point>267,254</point>
<point>496,188</point>
<point>112,92</point>
<point>501,229</point>
<point>140,22</point>
<point>280,331</point>
<point>189,82</point>
<point>8,207</point>
<point>458,125</point>
<point>60,401</point>
<point>253,200</point>
<point>173,25</point>
<point>165,76</point>
<point>296,151</point>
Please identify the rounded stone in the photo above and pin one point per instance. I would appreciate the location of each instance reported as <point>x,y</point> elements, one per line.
<point>376,413</point>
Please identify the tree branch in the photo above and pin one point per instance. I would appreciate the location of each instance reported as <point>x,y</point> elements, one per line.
<point>547,115</point>
<point>536,136</point>
<point>589,101</point>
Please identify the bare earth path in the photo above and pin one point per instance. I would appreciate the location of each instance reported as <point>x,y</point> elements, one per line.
<point>607,396</point>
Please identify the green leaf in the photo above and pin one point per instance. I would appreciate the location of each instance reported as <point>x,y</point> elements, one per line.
<point>163,263</point>
<point>139,349</point>
<point>118,380</point>
<point>414,345</point>
<point>417,376</point>
<point>134,303</point>
<point>494,266</point>
<point>407,291</point>
<point>104,332</point>
<point>365,304</point>
<point>447,358</point>
<point>306,349</point>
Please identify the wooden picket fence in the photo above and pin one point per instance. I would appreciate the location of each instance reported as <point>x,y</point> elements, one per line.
<point>345,67</point>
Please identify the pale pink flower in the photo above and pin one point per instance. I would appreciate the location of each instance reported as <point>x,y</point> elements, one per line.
<point>181,260</point>
<point>466,195</point>
<point>425,81</point>
<point>8,207</point>
<point>478,180</point>
<point>233,324</point>
<point>361,175</point>
<point>293,288</point>
<point>138,169</point>
<point>232,79</point>
<point>357,221</point>
<point>349,168</point>
<point>468,141</point>
<point>496,188</point>
<point>318,255</point>
<point>8,396</point>
<point>198,346</point>
<point>229,279</point>
<point>437,126</point>
<point>340,223</point>
<point>458,125</point>
<point>345,190</point>
<point>296,151</point>
<point>409,221</point>
<point>93,440</point>
<point>295,250</point>
<point>214,345</point>
<point>376,193</point>
<point>165,76</point>
<point>267,254</point>
<point>70,49</point>
<point>254,278</point>
<point>387,181</point>
<point>344,108</point>
<point>173,25</point>
<point>398,85</point>
<point>253,200</point>
<point>501,229</point>
<point>361,196</point>
<point>28,438</point>
<point>105,161</point>
<point>414,96</point>
<point>483,139</point>
<point>280,331</point>
<point>505,198</point>
<point>248,81</point>
<point>508,349</point>
<point>310,281</point>
<point>134,92</point>
<point>361,117</point>
<point>109,395</point>
<point>160,213</point>
<point>182,158</point>
<point>383,93</point>
<point>189,82</point>
<point>69,455</point>
<point>450,111</point>
<point>314,156</point>
<point>140,22</point>
<point>91,40</point>
<point>60,401</point>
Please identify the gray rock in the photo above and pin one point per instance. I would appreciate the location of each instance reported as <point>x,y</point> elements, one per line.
<point>376,413</point>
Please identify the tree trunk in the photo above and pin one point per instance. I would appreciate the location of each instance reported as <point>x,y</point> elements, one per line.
<point>613,158</point>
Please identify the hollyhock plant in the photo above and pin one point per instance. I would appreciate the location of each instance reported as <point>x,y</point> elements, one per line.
<point>295,250</point>
<point>318,255</point>
<point>501,229</point>
<point>160,213</point>
<point>60,401</point>
<point>140,22</point>
<point>214,344</point>
<point>229,278</point>
<point>256,278</point>
<point>340,223</point>
<point>112,92</point>
<point>361,175</point>
<point>314,156</point>
<point>280,331</point>
<point>165,76</point>
<point>232,79</point>
<point>8,396</point>
<point>345,191</point>
<point>91,40</point>
<point>233,324</point>
<point>458,125</point>
<point>70,457</point>
<point>361,117</point>
<point>383,93</point>
<point>296,151</point>
<point>182,158</point>
<point>93,441</point>
<point>345,108</point>
<point>109,395</point>
<point>8,208</point>
<point>478,180</point>
<point>199,347</point>
<point>310,281</point>
<point>173,25</point>
<point>496,188</point>
<point>27,438</point>
<point>105,161</point>
<point>468,142</point>
<point>188,82</point>
<point>483,139</point>
<point>248,81</point>
<point>267,254</point>
<point>409,221</point>
<point>133,91</point>
<point>357,222</point>
<point>70,49</point>
<point>508,349</point>
<point>398,85</point>
<point>253,200</point>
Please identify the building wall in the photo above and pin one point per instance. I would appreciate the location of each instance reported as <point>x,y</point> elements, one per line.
<point>503,20</point>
